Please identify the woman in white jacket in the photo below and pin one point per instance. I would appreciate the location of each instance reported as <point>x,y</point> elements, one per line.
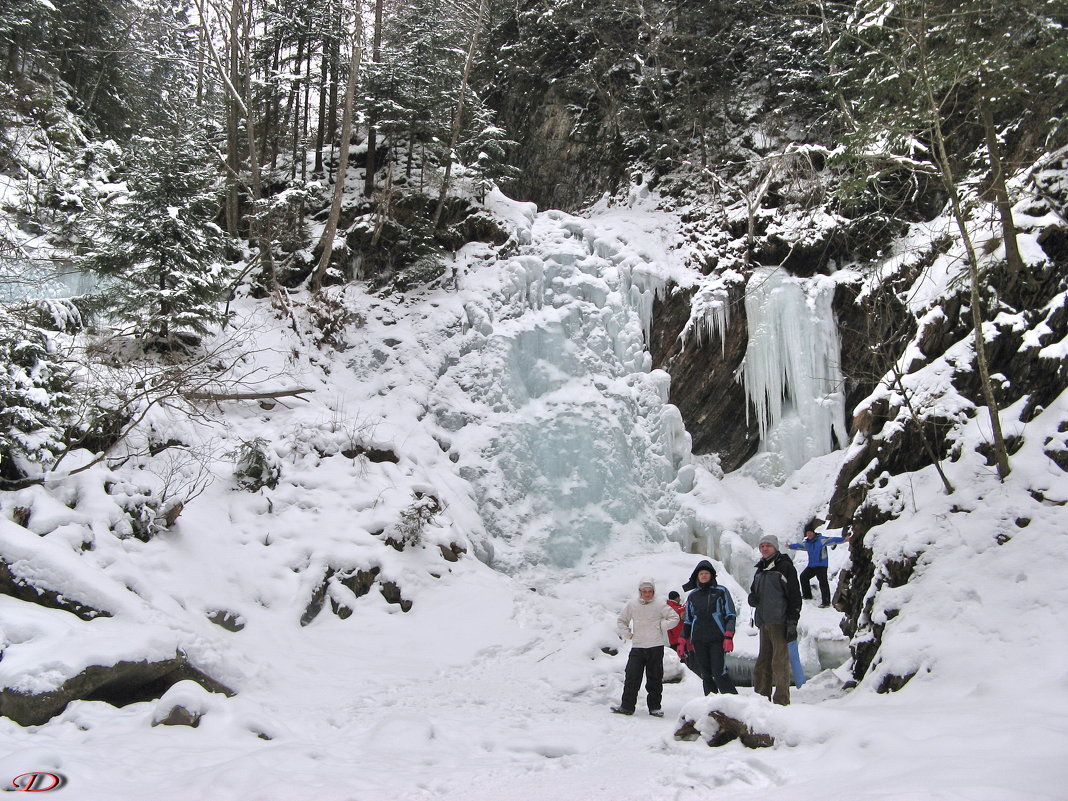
<point>644,621</point>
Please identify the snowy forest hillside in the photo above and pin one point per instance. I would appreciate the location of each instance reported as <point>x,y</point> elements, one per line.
<point>359,357</point>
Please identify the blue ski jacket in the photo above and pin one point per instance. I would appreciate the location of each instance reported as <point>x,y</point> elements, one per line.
<point>817,549</point>
<point>710,613</point>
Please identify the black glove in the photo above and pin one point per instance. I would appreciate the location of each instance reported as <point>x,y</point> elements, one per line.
<point>791,632</point>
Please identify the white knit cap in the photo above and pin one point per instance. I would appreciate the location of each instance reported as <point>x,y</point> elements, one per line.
<point>646,582</point>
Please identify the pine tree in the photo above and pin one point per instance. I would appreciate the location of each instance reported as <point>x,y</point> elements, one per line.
<point>423,53</point>
<point>913,64</point>
<point>21,25</point>
<point>158,246</point>
<point>484,150</point>
<point>458,112</point>
<point>35,397</point>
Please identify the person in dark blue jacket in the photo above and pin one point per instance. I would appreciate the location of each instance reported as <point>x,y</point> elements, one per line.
<point>708,628</point>
<point>816,546</point>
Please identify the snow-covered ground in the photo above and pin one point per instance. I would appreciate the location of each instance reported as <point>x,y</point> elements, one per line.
<point>496,683</point>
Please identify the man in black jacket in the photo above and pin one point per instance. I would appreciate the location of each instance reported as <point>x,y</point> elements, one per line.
<point>775,596</point>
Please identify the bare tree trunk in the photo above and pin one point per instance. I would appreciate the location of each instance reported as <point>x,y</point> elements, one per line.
<point>233,126</point>
<point>290,119</point>
<point>1001,454</point>
<point>294,392</point>
<point>320,126</point>
<point>272,123</point>
<point>237,83</point>
<point>372,114</point>
<point>300,120</point>
<point>331,103</point>
<point>201,59</point>
<point>411,152</point>
<point>1001,192</point>
<point>753,204</point>
<point>327,239</point>
<point>457,119</point>
<point>385,206</point>
<point>261,225</point>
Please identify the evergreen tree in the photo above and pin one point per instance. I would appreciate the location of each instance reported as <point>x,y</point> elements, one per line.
<point>160,73</point>
<point>35,397</point>
<point>913,64</point>
<point>21,26</point>
<point>158,246</point>
<point>485,150</point>
<point>423,54</point>
<point>425,49</point>
<point>119,60</point>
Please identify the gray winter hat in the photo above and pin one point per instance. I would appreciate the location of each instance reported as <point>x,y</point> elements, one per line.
<point>771,539</point>
<point>646,582</point>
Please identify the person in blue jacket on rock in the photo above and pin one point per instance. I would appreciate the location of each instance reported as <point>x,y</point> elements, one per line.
<point>708,628</point>
<point>816,546</point>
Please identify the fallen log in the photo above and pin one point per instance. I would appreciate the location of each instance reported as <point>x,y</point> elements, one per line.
<point>225,396</point>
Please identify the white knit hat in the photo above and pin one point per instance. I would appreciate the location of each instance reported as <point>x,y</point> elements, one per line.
<point>646,582</point>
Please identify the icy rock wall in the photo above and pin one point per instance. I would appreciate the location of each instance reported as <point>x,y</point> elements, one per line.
<point>792,372</point>
<point>564,430</point>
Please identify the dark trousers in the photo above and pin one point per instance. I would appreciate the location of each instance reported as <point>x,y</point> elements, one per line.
<point>821,577</point>
<point>650,662</point>
<point>710,659</point>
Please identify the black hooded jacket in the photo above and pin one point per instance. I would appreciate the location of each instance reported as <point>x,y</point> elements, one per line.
<point>704,564</point>
<point>775,594</point>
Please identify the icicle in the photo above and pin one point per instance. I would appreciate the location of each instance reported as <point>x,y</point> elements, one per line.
<point>791,370</point>
<point>642,287</point>
<point>710,314</point>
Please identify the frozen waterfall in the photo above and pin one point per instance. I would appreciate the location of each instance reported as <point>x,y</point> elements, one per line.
<point>565,431</point>
<point>791,371</point>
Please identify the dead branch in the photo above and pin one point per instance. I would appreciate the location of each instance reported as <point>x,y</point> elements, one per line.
<point>223,396</point>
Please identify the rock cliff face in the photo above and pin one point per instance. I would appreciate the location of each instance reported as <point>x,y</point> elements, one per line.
<point>1033,315</point>
<point>558,167</point>
<point>892,437</point>
<point>703,384</point>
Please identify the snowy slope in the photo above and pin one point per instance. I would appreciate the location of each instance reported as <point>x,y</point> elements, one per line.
<point>496,682</point>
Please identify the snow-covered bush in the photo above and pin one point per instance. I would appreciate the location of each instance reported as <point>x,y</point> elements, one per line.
<point>255,466</point>
<point>143,518</point>
<point>424,270</point>
<point>35,397</point>
<point>58,314</point>
<point>330,317</point>
<point>408,530</point>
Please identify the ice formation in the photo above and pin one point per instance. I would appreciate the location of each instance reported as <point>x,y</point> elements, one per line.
<point>568,438</point>
<point>709,313</point>
<point>791,371</point>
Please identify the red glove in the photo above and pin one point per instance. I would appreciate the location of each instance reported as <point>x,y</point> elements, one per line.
<point>728,642</point>
<point>684,646</point>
